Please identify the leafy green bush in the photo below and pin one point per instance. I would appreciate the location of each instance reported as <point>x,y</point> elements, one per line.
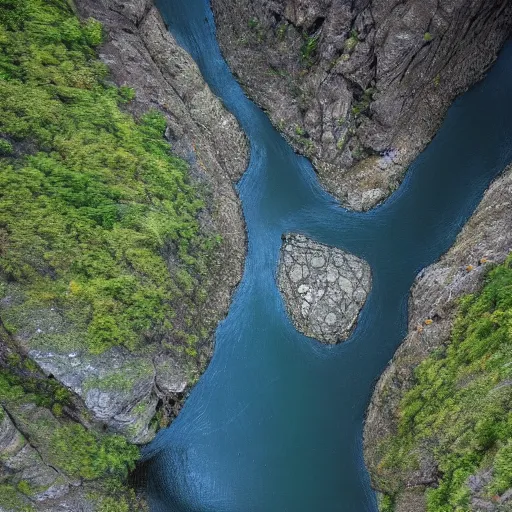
<point>12,500</point>
<point>308,49</point>
<point>98,219</point>
<point>5,147</point>
<point>460,408</point>
<point>84,454</point>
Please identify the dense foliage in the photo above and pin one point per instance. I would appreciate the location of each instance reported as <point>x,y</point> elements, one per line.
<point>97,217</point>
<point>460,408</point>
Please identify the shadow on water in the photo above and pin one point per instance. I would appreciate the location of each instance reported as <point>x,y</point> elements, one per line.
<point>275,423</point>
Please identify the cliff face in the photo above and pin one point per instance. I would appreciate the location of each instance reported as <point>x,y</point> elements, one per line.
<point>486,239</point>
<point>68,423</point>
<point>360,87</point>
<point>122,388</point>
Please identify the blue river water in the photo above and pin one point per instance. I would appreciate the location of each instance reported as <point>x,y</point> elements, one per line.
<point>275,423</point>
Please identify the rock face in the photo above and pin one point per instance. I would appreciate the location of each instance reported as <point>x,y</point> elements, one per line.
<point>120,388</point>
<point>323,287</point>
<point>487,238</point>
<point>26,463</point>
<point>360,87</point>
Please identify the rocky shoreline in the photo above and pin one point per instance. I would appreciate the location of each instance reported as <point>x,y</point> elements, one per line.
<point>360,88</point>
<point>485,240</point>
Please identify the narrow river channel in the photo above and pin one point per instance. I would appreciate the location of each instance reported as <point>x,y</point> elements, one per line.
<point>275,423</point>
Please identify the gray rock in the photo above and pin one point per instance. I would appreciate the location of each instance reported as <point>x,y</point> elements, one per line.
<point>324,288</point>
<point>23,463</point>
<point>117,386</point>
<point>373,87</point>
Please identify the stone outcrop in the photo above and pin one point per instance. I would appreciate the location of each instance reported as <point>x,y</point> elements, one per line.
<point>486,239</point>
<point>360,87</point>
<point>122,388</point>
<point>26,466</point>
<point>324,288</point>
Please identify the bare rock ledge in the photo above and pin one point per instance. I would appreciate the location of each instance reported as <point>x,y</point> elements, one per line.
<point>324,288</point>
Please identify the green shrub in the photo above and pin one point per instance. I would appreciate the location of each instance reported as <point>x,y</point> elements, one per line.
<point>461,405</point>
<point>308,49</point>
<point>12,500</point>
<point>351,42</point>
<point>84,454</point>
<point>6,148</point>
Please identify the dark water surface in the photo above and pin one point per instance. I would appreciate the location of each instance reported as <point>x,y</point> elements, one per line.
<point>275,423</point>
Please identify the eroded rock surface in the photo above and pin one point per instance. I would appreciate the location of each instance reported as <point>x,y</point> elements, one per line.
<point>324,288</point>
<point>486,239</point>
<point>23,463</point>
<point>360,87</point>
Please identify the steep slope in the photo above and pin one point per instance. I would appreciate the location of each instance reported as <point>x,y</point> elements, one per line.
<point>118,257</point>
<point>360,87</point>
<point>405,476</point>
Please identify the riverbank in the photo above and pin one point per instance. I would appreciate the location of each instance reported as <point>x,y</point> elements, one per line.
<point>108,306</point>
<point>484,242</point>
<point>359,89</point>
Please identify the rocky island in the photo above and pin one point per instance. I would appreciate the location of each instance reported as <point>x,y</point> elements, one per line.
<point>324,288</point>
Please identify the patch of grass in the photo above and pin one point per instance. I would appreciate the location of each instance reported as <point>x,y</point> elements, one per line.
<point>460,408</point>
<point>308,49</point>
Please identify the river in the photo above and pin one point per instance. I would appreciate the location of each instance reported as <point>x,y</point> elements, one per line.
<point>275,423</point>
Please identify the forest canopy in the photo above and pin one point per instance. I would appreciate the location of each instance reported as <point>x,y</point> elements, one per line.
<point>98,219</point>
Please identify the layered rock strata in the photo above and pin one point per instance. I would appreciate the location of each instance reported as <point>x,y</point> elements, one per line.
<point>324,288</point>
<point>360,87</point>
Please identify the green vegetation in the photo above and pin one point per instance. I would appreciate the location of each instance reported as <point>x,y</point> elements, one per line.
<point>308,49</point>
<point>82,453</point>
<point>101,459</point>
<point>299,131</point>
<point>281,31</point>
<point>253,23</point>
<point>12,501</point>
<point>351,41</point>
<point>26,385</point>
<point>75,450</point>
<point>362,105</point>
<point>460,408</point>
<point>427,37</point>
<point>98,219</point>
